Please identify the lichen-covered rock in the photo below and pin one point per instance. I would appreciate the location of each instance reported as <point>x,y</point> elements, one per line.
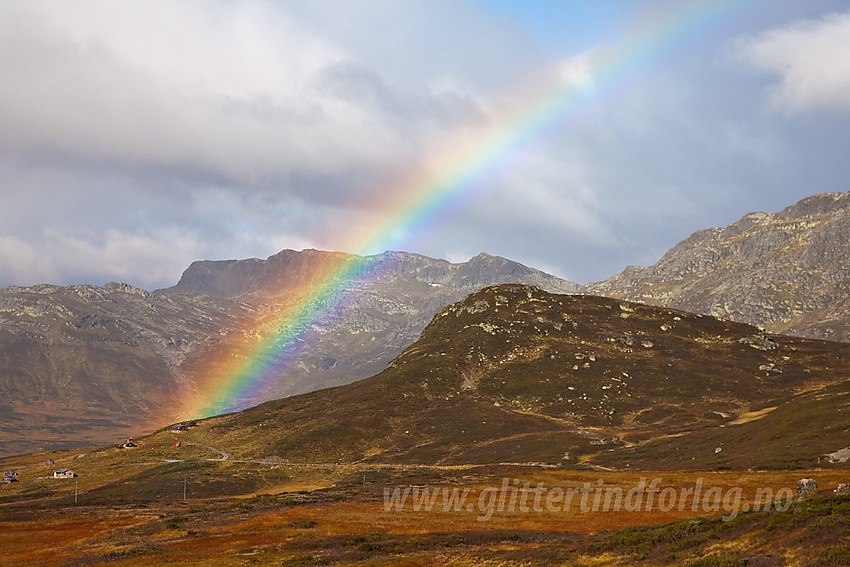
<point>806,486</point>
<point>840,456</point>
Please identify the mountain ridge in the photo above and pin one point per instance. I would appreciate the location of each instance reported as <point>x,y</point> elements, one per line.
<point>787,271</point>
<point>84,364</point>
<point>233,278</point>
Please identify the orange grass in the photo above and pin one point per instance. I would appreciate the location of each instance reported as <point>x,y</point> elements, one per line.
<point>224,539</point>
<point>371,517</point>
<point>47,542</point>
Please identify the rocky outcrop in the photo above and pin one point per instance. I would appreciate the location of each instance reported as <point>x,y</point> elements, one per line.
<point>290,269</point>
<point>788,271</point>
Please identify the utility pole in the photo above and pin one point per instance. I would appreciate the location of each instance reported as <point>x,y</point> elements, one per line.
<point>76,487</point>
<point>184,488</point>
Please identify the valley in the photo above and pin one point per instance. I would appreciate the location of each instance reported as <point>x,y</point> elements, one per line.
<point>511,393</point>
<point>481,413</point>
<point>465,283</point>
<point>290,514</point>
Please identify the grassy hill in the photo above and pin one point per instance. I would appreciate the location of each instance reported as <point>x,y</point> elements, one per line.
<point>512,383</point>
<point>511,376</point>
<point>800,431</point>
<point>514,374</point>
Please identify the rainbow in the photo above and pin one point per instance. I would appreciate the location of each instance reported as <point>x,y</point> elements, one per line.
<point>417,199</point>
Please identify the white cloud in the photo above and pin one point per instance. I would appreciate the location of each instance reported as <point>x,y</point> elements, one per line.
<point>23,263</point>
<point>53,256</point>
<point>812,58</point>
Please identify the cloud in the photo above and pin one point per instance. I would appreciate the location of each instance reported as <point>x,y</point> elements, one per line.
<point>136,137</point>
<point>243,91</point>
<point>244,123</point>
<point>115,256</point>
<point>812,59</point>
<point>138,85</point>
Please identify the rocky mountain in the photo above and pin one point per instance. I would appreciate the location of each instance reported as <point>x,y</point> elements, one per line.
<point>513,374</point>
<point>386,309</point>
<point>788,272</point>
<point>290,270</point>
<point>85,364</point>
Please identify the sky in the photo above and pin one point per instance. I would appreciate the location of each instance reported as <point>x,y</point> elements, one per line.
<point>577,137</point>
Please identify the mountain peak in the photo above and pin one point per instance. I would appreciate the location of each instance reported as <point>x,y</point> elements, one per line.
<point>815,205</point>
<point>291,269</point>
<point>136,354</point>
<point>786,271</point>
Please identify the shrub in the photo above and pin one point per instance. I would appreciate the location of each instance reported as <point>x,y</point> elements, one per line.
<point>835,556</point>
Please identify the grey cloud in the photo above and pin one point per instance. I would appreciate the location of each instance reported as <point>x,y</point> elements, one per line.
<point>357,84</point>
<point>162,132</point>
<point>91,99</point>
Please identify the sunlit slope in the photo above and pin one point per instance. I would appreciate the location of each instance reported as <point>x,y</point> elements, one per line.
<point>786,271</point>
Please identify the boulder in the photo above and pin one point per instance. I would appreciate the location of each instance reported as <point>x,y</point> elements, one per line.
<point>806,485</point>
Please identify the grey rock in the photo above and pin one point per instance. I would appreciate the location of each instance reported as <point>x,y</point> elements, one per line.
<point>787,272</point>
<point>806,486</point>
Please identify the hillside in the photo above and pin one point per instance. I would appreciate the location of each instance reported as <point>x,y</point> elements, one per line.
<point>795,432</point>
<point>788,272</point>
<point>515,374</point>
<point>84,365</point>
<point>512,386</point>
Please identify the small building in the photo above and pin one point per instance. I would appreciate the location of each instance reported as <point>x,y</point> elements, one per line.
<point>64,473</point>
<point>9,480</point>
<point>192,424</point>
<point>11,473</point>
<point>48,462</point>
<point>178,427</point>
